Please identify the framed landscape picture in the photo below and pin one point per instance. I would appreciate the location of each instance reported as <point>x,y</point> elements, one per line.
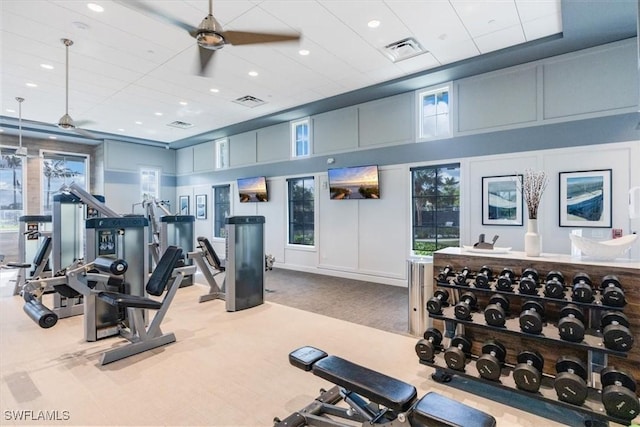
<point>502,200</point>
<point>201,206</point>
<point>183,202</point>
<point>585,198</point>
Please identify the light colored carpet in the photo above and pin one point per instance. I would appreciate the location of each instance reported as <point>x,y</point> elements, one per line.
<point>226,369</point>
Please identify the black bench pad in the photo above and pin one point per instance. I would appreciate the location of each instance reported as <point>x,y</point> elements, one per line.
<point>434,406</point>
<point>379,388</point>
<point>124,300</point>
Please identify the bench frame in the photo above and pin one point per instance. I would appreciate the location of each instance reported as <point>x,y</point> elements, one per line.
<point>209,254</point>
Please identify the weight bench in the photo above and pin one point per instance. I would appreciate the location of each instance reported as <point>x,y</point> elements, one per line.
<point>208,253</point>
<point>373,399</point>
<point>142,338</point>
<point>39,264</point>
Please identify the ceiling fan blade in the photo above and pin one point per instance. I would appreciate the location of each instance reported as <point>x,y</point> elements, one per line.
<point>82,123</point>
<point>146,9</point>
<point>244,37</point>
<point>85,133</point>
<point>205,58</point>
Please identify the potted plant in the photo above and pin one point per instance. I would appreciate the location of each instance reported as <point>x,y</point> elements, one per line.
<point>533,185</point>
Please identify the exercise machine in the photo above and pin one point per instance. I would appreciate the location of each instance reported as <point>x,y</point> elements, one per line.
<point>245,262</point>
<point>210,269</point>
<point>372,398</point>
<point>32,231</point>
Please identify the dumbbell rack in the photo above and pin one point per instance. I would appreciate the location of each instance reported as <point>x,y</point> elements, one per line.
<point>591,350</point>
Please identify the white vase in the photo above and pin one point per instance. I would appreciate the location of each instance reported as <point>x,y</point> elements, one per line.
<point>532,239</point>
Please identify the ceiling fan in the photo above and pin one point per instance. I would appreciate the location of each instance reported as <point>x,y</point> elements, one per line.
<point>66,122</point>
<point>210,35</point>
<point>20,151</point>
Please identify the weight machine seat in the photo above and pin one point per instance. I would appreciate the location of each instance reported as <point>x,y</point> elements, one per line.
<point>379,388</point>
<point>210,253</point>
<point>155,286</point>
<point>434,406</point>
<point>38,258</point>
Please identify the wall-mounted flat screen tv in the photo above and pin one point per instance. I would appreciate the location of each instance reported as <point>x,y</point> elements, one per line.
<point>253,189</point>
<point>358,182</point>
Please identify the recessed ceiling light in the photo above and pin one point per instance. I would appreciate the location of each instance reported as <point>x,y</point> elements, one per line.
<point>214,90</point>
<point>53,137</point>
<point>95,7</point>
<point>120,130</point>
<point>47,66</point>
<point>10,110</point>
<point>183,102</point>
<point>253,73</point>
<point>32,85</point>
<point>304,52</point>
<point>373,23</point>
<point>80,25</point>
<point>158,113</point>
<point>138,123</point>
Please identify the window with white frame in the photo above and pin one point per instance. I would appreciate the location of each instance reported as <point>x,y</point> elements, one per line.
<point>12,188</point>
<point>149,183</point>
<point>434,120</point>
<point>59,169</point>
<point>301,211</point>
<point>301,138</point>
<point>221,209</point>
<point>222,153</point>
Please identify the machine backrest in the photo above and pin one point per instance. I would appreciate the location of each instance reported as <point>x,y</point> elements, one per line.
<point>210,253</point>
<point>163,271</point>
<point>43,250</point>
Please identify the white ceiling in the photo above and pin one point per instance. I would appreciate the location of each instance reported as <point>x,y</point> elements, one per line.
<point>125,67</point>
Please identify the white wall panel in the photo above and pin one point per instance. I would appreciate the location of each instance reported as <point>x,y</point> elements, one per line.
<point>124,156</point>
<point>204,157</point>
<point>386,121</point>
<point>335,131</point>
<point>184,161</point>
<point>242,149</point>
<point>273,143</point>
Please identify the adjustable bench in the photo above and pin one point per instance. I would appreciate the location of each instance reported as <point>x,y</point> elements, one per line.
<point>207,252</point>
<point>142,338</point>
<point>373,398</point>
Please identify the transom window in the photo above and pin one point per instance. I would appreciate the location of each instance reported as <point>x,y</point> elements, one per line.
<point>300,138</point>
<point>301,211</point>
<point>436,208</point>
<point>222,153</point>
<point>434,120</point>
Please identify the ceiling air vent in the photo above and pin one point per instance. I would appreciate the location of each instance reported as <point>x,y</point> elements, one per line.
<point>403,49</point>
<point>249,101</point>
<point>180,125</point>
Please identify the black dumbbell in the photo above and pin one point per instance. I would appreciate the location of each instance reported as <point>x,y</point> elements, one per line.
<point>571,323</point>
<point>619,393</point>
<point>456,355</point>
<point>484,277</point>
<point>426,348</point>
<point>445,273</point>
<point>490,364</point>
<point>554,286</point>
<point>582,291</point>
<point>571,380</point>
<point>531,317</point>
<point>529,282</point>
<point>463,308</point>
<point>462,277</point>
<point>495,314</point>
<point>437,301</point>
<point>527,374</point>
<point>506,280</point>
<point>611,290</point>
<point>615,331</point>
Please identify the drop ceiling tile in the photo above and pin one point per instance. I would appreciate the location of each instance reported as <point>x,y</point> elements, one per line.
<point>500,39</point>
<point>480,18</point>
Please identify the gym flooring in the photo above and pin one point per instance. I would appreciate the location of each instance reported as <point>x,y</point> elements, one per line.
<point>226,369</point>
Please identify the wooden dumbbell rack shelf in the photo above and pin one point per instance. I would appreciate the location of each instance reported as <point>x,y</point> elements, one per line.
<point>591,350</point>
<point>549,333</point>
<point>592,407</point>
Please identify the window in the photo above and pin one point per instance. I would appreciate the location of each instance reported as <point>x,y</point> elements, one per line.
<point>221,209</point>
<point>149,184</point>
<point>436,208</point>
<point>434,120</point>
<point>301,211</point>
<point>59,169</point>
<point>12,186</point>
<point>222,153</point>
<point>300,138</point>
